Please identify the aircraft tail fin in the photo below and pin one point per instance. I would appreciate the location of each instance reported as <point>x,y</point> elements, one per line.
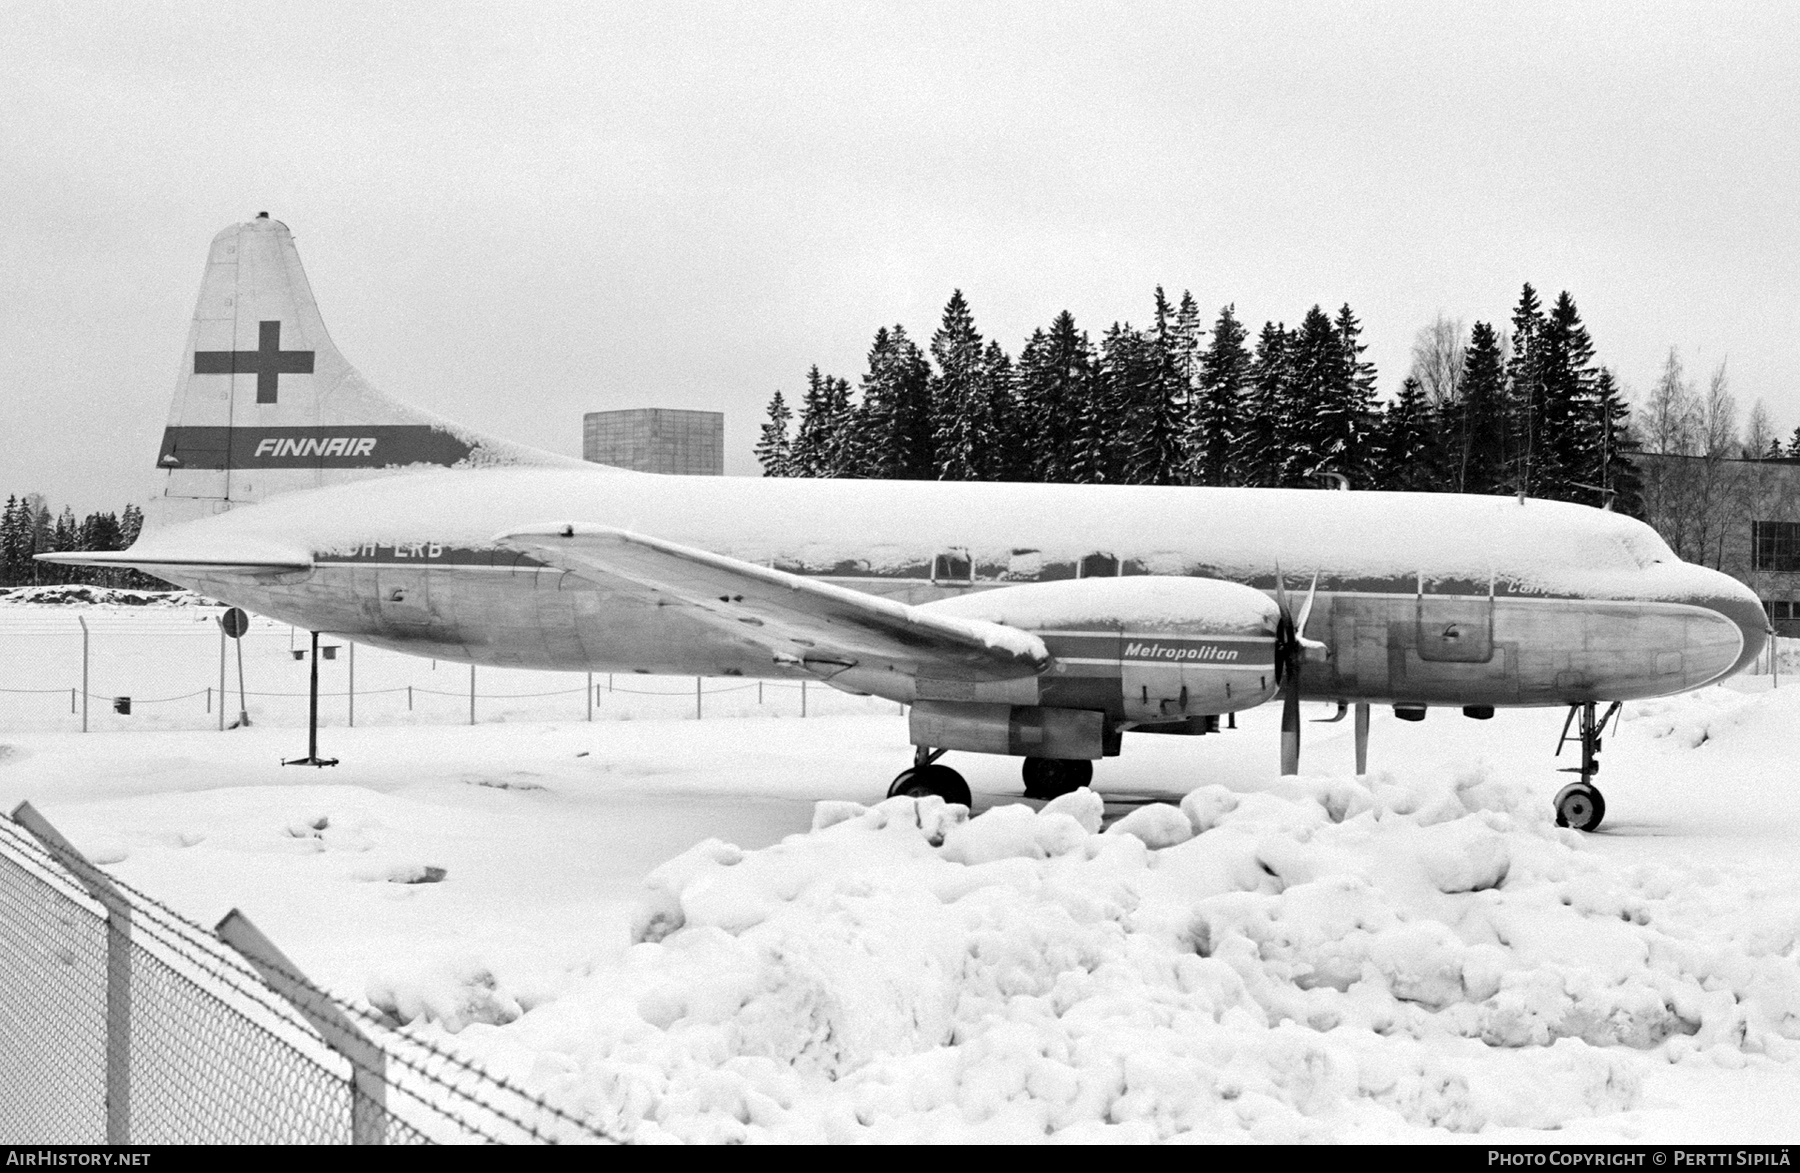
<point>266,404</point>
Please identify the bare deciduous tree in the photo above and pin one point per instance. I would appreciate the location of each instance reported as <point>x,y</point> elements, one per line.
<point>1759,432</point>
<point>1437,358</point>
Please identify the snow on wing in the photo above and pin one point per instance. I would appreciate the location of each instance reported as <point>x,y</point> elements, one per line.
<point>790,615</point>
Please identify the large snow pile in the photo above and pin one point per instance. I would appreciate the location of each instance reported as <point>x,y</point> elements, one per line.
<point>1323,959</point>
<point>82,594</point>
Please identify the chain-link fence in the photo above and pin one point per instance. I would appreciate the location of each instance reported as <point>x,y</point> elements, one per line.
<point>123,1022</point>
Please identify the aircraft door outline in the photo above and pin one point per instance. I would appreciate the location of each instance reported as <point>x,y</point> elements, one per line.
<point>1454,629</point>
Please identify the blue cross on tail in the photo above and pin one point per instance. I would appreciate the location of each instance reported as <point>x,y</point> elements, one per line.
<point>268,360</point>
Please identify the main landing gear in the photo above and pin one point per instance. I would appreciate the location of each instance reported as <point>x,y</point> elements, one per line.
<point>1580,804</point>
<point>1051,777</point>
<point>927,778</point>
<point>1044,778</point>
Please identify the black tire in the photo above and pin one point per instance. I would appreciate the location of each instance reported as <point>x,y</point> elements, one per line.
<point>934,779</point>
<point>1053,777</point>
<point>1580,806</point>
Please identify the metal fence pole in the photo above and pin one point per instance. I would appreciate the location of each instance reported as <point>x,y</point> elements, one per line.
<point>118,966</point>
<point>471,694</point>
<point>803,698</point>
<point>368,1062</point>
<point>221,678</point>
<point>590,696</point>
<point>696,698</point>
<point>352,644</point>
<point>84,671</point>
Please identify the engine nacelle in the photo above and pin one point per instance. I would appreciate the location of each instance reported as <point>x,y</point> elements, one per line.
<point>1177,646</point>
<point>1020,730</point>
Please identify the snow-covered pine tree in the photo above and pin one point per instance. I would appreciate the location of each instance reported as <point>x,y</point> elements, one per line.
<point>774,446</point>
<point>1215,439</point>
<point>15,543</point>
<point>1569,442</point>
<point>871,445</point>
<point>1611,446</point>
<point>1406,445</point>
<point>1055,380</point>
<point>64,534</point>
<point>1321,427</point>
<point>1480,458</point>
<point>1266,444</point>
<point>959,401</point>
<point>1128,387</point>
<point>1007,459</point>
<point>1353,414</point>
<point>1161,401</point>
<point>818,446</point>
<point>1793,448</point>
<point>1525,394</point>
<point>892,428</point>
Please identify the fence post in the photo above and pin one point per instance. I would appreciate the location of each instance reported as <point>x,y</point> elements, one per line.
<point>118,966</point>
<point>590,696</point>
<point>803,698</point>
<point>221,678</point>
<point>84,671</point>
<point>368,1062</point>
<point>696,698</point>
<point>352,644</point>
<point>409,698</point>
<point>471,694</point>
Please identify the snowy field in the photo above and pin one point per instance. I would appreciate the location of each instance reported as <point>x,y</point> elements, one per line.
<point>713,930</point>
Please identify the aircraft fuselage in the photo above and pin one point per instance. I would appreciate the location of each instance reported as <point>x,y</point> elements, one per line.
<point>1423,599</point>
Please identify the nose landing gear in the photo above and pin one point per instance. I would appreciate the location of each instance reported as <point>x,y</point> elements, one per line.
<point>1580,804</point>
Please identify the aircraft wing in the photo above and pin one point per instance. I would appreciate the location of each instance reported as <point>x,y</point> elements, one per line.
<point>801,620</point>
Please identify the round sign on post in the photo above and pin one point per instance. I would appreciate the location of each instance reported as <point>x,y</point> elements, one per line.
<point>235,622</point>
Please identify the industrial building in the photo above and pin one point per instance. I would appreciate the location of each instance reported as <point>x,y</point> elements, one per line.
<point>656,439</point>
<point>1738,516</point>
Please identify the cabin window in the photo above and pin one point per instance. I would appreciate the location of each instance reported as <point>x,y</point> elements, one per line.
<point>1025,565</point>
<point>1776,545</point>
<point>953,568</point>
<point>1099,566</point>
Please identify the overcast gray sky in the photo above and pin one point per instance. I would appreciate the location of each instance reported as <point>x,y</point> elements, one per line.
<point>512,214</point>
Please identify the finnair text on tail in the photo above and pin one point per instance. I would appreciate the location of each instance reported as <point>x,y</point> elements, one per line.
<point>317,446</point>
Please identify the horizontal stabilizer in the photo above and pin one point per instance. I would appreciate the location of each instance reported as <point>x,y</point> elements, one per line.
<point>219,562</point>
<point>799,619</point>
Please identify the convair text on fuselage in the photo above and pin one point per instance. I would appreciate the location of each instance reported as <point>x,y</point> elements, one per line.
<point>1038,620</point>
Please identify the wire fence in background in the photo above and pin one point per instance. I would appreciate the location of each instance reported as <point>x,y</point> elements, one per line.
<point>85,668</point>
<point>122,1022</point>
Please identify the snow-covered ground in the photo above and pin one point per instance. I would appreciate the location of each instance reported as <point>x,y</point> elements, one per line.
<point>713,929</point>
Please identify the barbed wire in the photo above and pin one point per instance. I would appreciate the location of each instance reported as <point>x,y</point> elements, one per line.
<point>202,949</point>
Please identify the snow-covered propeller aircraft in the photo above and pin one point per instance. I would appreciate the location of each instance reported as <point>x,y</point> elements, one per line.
<point>1042,621</point>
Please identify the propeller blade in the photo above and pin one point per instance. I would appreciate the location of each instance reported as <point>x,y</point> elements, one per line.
<point>1312,593</point>
<point>1290,727</point>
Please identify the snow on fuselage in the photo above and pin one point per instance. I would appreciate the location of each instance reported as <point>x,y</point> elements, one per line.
<point>1422,598</point>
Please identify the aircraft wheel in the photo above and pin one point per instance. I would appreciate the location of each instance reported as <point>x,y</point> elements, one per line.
<point>1580,805</point>
<point>942,781</point>
<point>1051,777</point>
